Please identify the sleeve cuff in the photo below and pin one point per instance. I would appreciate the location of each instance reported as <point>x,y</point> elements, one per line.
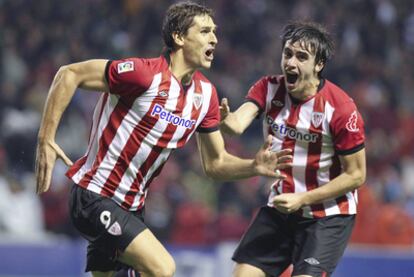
<point>108,64</point>
<point>257,104</point>
<point>350,151</point>
<point>207,130</point>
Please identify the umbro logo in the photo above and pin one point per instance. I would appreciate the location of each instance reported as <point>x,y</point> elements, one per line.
<point>277,103</point>
<point>312,261</point>
<point>163,93</point>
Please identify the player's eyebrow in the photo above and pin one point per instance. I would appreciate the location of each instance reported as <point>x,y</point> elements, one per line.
<point>214,28</point>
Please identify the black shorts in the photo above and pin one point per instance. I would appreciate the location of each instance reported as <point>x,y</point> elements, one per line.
<point>108,227</point>
<point>275,240</point>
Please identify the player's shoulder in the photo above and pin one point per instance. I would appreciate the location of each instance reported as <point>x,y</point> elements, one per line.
<point>156,63</point>
<point>152,63</point>
<point>199,76</point>
<point>335,95</point>
<point>265,81</point>
<point>272,79</point>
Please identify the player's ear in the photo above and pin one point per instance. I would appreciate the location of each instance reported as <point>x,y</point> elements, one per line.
<point>319,66</point>
<point>178,39</point>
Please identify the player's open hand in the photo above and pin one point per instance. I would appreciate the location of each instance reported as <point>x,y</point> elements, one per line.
<point>268,163</point>
<point>46,155</point>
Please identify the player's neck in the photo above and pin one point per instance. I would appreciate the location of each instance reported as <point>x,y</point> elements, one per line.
<point>180,69</point>
<point>310,89</point>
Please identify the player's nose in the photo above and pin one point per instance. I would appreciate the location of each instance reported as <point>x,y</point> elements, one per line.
<point>213,39</point>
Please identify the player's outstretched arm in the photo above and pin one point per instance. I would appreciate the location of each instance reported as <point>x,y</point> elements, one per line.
<point>219,164</point>
<point>88,75</point>
<point>235,123</point>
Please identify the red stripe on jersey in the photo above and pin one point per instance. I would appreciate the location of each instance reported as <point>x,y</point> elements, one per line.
<point>171,128</point>
<point>142,171</point>
<point>273,112</point>
<point>78,164</point>
<point>288,143</point>
<point>274,109</point>
<point>119,112</point>
<point>334,171</point>
<point>314,155</point>
<point>155,174</point>
<point>101,109</point>
<point>134,141</point>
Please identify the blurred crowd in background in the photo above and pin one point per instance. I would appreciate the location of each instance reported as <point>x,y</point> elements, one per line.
<point>374,63</point>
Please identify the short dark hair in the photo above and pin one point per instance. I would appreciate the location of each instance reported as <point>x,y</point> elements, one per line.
<point>179,18</point>
<point>316,38</point>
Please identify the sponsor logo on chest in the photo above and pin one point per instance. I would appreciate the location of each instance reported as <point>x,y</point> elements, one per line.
<point>292,133</point>
<point>169,117</point>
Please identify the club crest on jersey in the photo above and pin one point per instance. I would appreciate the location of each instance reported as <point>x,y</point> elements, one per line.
<point>197,100</point>
<point>351,125</point>
<point>317,118</point>
<point>115,229</point>
<point>125,67</point>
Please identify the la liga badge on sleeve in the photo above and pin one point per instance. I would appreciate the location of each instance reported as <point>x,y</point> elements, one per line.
<point>125,67</point>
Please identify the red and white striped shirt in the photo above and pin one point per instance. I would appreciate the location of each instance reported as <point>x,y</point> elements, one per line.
<point>317,130</point>
<point>136,126</point>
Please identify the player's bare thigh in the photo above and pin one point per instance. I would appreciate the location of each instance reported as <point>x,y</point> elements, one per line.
<point>147,255</point>
<point>246,270</point>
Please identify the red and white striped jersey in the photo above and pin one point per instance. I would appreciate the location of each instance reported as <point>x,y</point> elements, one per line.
<point>317,130</point>
<point>136,126</point>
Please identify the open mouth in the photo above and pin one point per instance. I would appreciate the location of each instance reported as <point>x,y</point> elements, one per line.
<point>291,78</point>
<point>210,54</point>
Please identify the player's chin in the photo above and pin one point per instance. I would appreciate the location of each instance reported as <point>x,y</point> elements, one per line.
<point>206,65</point>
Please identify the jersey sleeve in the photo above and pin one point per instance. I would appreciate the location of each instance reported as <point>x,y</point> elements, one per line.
<point>257,94</point>
<point>211,121</point>
<point>347,129</point>
<point>129,76</point>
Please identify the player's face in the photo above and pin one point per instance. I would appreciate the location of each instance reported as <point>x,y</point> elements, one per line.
<point>200,42</point>
<point>298,66</point>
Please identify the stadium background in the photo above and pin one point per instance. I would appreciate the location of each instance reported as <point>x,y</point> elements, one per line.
<point>201,220</point>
